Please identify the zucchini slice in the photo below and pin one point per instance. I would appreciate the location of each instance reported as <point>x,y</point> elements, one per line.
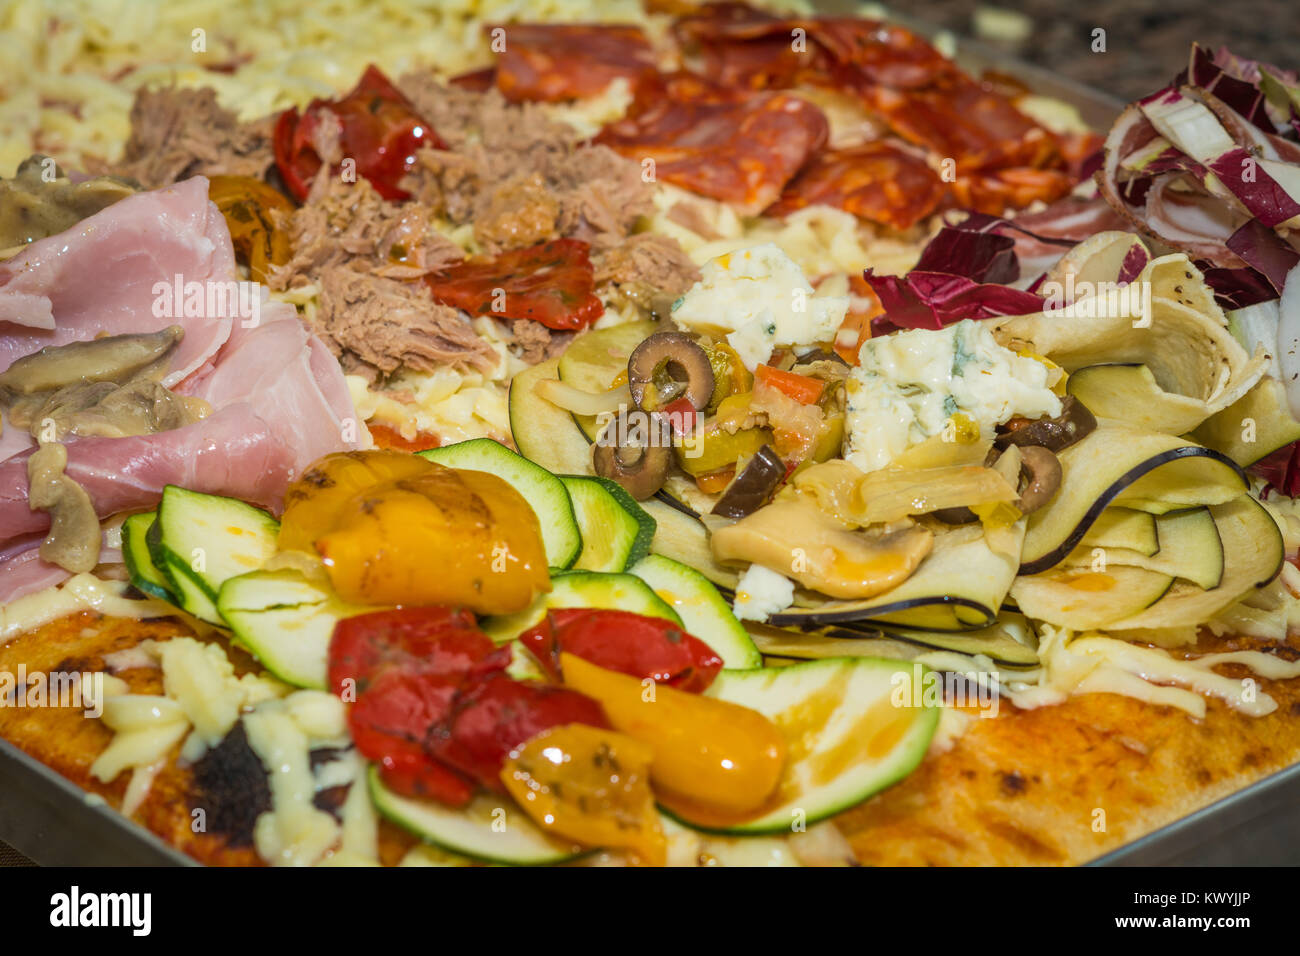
<point>1256,425</point>
<point>542,490</point>
<point>1124,528</point>
<point>1079,598</point>
<point>594,359</point>
<point>199,541</point>
<point>680,535</point>
<point>490,829</point>
<point>145,577</point>
<point>704,612</point>
<point>594,589</point>
<point>616,531</point>
<point>1252,544</point>
<point>1130,467</point>
<point>544,433</point>
<point>1190,549</point>
<point>855,726</point>
<point>286,622</point>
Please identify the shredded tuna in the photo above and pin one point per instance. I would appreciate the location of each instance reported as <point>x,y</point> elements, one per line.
<point>342,222</point>
<point>375,326</point>
<point>176,134</point>
<point>647,269</point>
<point>536,343</point>
<point>500,151</point>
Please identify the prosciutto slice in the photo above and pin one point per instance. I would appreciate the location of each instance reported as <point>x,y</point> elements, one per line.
<point>278,396</point>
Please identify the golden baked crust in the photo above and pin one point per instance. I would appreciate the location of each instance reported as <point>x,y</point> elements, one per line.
<point>1026,787</point>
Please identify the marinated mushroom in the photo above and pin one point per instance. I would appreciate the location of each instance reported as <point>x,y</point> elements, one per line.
<point>668,366</point>
<point>827,557</point>
<point>753,486</point>
<point>1055,434</point>
<point>636,457</point>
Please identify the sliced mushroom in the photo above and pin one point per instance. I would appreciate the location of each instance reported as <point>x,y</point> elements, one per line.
<point>113,358</point>
<point>1055,434</point>
<point>636,457</point>
<point>1041,471</point>
<point>795,537</point>
<point>668,366</point>
<point>755,484</point>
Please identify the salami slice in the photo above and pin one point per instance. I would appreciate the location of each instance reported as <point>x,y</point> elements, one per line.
<point>731,145</point>
<point>961,120</point>
<point>552,283</point>
<point>566,61</point>
<point>877,181</point>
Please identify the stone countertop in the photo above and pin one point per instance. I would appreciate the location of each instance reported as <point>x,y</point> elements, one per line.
<point>1146,41</point>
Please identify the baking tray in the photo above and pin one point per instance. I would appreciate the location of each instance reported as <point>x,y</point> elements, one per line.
<point>56,823</point>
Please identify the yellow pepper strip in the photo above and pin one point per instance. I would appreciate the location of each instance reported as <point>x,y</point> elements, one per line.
<point>722,757</point>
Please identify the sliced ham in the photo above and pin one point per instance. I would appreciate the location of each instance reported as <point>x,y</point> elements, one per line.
<point>99,276</point>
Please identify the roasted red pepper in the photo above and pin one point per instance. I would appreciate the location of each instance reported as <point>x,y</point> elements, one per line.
<point>495,715</point>
<point>378,128</point>
<point>389,724</point>
<point>435,640</point>
<point>552,283</point>
<point>433,708</point>
<point>644,647</point>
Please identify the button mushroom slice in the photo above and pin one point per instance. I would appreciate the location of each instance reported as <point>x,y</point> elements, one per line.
<point>634,455</point>
<point>796,538</point>
<point>668,366</point>
<point>74,537</point>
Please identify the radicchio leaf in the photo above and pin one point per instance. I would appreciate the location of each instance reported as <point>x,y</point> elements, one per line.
<point>1265,252</point>
<point>932,300</point>
<point>1281,470</point>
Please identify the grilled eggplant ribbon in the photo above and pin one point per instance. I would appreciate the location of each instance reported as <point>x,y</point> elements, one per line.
<point>1166,364</point>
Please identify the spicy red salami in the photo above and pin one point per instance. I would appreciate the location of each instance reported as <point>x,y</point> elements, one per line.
<point>878,181</point>
<point>731,145</point>
<point>565,61</point>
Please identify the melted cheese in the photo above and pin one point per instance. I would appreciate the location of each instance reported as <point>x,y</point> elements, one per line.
<point>293,832</point>
<point>81,592</point>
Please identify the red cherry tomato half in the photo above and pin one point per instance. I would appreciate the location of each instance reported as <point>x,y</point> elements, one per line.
<point>643,647</point>
<point>378,128</point>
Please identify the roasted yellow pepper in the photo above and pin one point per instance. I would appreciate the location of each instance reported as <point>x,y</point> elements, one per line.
<point>712,451</point>
<point>393,528</point>
<point>708,753</point>
<point>246,203</point>
<point>313,501</point>
<point>590,785</point>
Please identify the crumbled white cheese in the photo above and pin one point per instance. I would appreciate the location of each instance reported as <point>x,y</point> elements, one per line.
<point>909,385</point>
<point>761,593</point>
<point>762,301</point>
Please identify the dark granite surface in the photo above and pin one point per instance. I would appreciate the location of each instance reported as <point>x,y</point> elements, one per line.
<point>1146,40</point>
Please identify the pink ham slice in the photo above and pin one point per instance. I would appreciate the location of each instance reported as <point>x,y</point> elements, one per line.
<point>99,276</point>
<point>279,402</point>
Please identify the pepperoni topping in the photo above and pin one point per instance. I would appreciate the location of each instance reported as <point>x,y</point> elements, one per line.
<point>730,145</point>
<point>877,181</point>
<point>567,61</point>
<point>552,283</point>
